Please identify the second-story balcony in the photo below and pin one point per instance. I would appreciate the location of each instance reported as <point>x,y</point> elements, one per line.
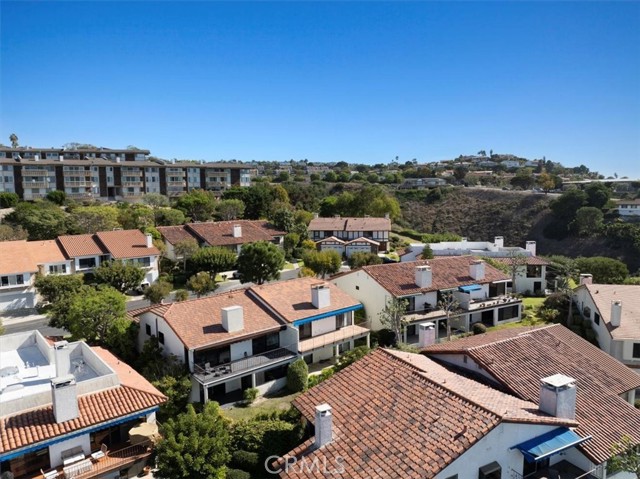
<point>137,183</point>
<point>207,374</point>
<point>332,338</point>
<point>37,184</point>
<point>36,172</point>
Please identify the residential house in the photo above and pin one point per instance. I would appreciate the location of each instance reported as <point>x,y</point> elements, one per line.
<point>348,229</point>
<point>419,183</point>
<point>628,208</point>
<point>531,276</point>
<point>227,234</point>
<point>20,261</point>
<point>598,390</point>
<point>479,291</point>
<point>67,410</point>
<point>88,251</point>
<point>394,414</point>
<point>613,310</point>
<point>246,338</point>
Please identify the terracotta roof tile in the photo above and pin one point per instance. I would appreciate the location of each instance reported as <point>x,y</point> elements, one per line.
<point>198,322</point>
<point>175,234</point>
<point>448,272</point>
<point>604,294</point>
<point>292,299</point>
<point>384,427</point>
<point>350,224</point>
<point>122,244</point>
<point>519,361</point>
<point>24,256</point>
<point>220,233</point>
<point>80,245</point>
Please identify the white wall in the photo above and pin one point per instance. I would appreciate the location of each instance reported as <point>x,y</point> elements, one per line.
<point>322,326</point>
<point>172,345</point>
<point>365,289</point>
<point>55,450</point>
<point>495,447</point>
<point>239,349</point>
<point>583,298</point>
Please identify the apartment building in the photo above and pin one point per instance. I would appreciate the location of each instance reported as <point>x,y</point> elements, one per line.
<point>109,174</point>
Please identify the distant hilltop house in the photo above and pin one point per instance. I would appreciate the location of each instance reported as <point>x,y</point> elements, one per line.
<point>246,338</point>
<point>530,277</point>
<point>71,410</point>
<point>613,310</point>
<point>227,234</point>
<point>478,288</point>
<point>21,260</point>
<point>515,403</point>
<point>106,174</point>
<point>417,183</point>
<point>629,208</point>
<point>348,234</point>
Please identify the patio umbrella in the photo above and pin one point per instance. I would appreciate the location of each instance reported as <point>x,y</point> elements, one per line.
<point>144,432</point>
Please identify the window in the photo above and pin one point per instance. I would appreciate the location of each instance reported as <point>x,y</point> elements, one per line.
<point>85,263</point>
<point>160,337</point>
<point>305,330</point>
<point>4,281</point>
<point>490,471</point>
<point>636,350</point>
<point>144,262</point>
<point>586,311</point>
<point>19,279</point>
<point>265,343</point>
<point>596,318</point>
<point>534,271</point>
<point>57,268</point>
<point>509,312</point>
<point>147,329</point>
<point>341,321</point>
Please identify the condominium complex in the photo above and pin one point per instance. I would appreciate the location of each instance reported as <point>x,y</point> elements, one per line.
<point>103,173</point>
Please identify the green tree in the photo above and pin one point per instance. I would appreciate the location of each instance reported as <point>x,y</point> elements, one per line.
<point>199,205</point>
<point>155,200</point>
<point>459,172</point>
<point>231,209</point>
<point>133,217</point>
<point>524,179</point>
<point>8,200</point>
<point>330,177</point>
<point>121,339</point>
<point>604,270</point>
<point>181,295</point>
<point>156,292</point>
<point>12,233</point>
<point>13,138</point>
<point>392,316</point>
<point>588,221</point>
<point>290,243</point>
<point>626,457</point>
<point>185,249</point>
<point>351,357</point>
<point>178,390</point>
<point>169,217</point>
<point>91,219</point>
<point>195,446</point>
<point>201,283</point>
<point>55,286</point>
<point>259,262</point>
<point>56,196</point>
<point>283,219</point>
<point>360,259</point>
<point>566,205</point>
<point>212,259</point>
<point>598,194</point>
<point>89,313</point>
<point>546,182</point>
<point>427,252</point>
<point>322,263</point>
<point>120,275</point>
<point>297,376</point>
<point>42,220</point>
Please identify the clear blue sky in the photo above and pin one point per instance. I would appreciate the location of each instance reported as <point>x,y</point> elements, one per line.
<point>360,82</point>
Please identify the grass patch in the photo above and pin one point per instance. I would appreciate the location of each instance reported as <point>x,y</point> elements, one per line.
<point>262,405</point>
<point>288,265</point>
<point>530,315</point>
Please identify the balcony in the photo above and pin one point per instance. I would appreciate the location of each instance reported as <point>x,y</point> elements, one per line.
<point>132,183</point>
<point>177,183</point>
<point>479,304</point>
<point>132,172</point>
<point>71,183</point>
<point>208,375</point>
<point>332,338</point>
<point>82,172</point>
<point>37,184</point>
<point>561,470</point>
<point>132,194</point>
<point>35,172</point>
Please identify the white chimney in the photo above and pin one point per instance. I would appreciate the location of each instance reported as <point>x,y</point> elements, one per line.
<point>316,215</point>
<point>320,296</point>
<point>149,240</point>
<point>117,159</point>
<point>424,276</point>
<point>499,241</point>
<point>558,396</point>
<point>386,216</point>
<point>586,279</point>
<point>232,319</point>
<point>61,157</point>
<point>62,357</point>
<point>36,157</point>
<point>426,334</point>
<point>530,246</point>
<point>237,231</point>
<point>65,398</point>
<point>476,269</point>
<point>323,425</point>
<point>616,313</point>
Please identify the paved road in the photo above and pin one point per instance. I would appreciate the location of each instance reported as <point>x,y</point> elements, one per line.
<point>41,324</point>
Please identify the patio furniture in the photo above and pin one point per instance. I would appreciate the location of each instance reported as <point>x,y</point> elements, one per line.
<point>49,474</point>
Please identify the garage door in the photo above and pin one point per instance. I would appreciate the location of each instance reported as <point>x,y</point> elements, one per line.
<point>358,249</point>
<point>17,301</point>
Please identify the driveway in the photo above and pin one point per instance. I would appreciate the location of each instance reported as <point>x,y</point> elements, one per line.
<point>21,320</point>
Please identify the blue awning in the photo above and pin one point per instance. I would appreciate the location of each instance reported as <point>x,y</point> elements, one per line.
<point>469,288</point>
<point>550,443</point>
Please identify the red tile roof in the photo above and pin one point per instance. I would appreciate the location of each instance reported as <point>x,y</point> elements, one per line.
<point>447,273</point>
<point>24,256</point>
<point>220,233</point>
<point>531,261</point>
<point>134,394</point>
<point>175,234</point>
<point>198,322</point>
<point>331,239</point>
<point>520,360</point>
<point>291,299</point>
<point>81,245</point>
<point>350,224</point>
<point>604,294</point>
<point>399,415</point>
<point>124,244</point>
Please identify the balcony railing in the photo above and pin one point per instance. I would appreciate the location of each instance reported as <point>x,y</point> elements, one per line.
<point>71,183</point>
<point>36,184</point>
<point>132,183</point>
<point>205,373</point>
<point>477,304</point>
<point>333,337</point>
<point>40,172</point>
<point>82,172</point>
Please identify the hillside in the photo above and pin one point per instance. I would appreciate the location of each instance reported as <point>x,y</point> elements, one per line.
<point>481,214</point>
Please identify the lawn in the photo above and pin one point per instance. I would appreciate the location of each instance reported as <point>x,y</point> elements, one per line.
<point>262,405</point>
<point>531,306</point>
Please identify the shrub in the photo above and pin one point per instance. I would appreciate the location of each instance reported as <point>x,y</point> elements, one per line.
<point>265,437</point>
<point>8,200</point>
<point>478,328</point>
<point>58,197</point>
<point>316,379</point>
<point>181,295</point>
<point>245,460</point>
<point>351,357</point>
<point>297,376</point>
<point>383,338</point>
<point>250,395</point>
<point>237,474</point>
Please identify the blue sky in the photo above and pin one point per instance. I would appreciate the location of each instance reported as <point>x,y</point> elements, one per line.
<point>360,82</point>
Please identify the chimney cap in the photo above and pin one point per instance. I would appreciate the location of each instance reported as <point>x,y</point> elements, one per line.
<point>323,408</point>
<point>60,344</point>
<point>60,380</point>
<point>558,381</point>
